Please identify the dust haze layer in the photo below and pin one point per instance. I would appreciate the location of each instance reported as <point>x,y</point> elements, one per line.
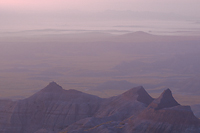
<point>86,60</point>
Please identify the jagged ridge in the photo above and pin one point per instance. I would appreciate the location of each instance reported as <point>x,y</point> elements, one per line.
<point>53,109</point>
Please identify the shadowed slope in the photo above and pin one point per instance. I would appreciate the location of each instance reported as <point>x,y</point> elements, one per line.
<point>139,94</point>
<point>52,108</point>
<point>52,87</point>
<point>123,106</point>
<point>113,110</point>
<point>165,100</point>
<point>165,115</point>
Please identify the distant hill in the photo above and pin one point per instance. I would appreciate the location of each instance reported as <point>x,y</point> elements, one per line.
<point>180,64</point>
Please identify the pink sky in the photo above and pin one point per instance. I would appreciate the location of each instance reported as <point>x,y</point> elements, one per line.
<point>176,6</point>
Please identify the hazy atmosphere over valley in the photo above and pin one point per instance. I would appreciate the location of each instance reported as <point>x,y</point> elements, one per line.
<point>102,48</point>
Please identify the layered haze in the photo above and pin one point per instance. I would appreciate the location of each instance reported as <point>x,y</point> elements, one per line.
<point>153,15</point>
<point>100,47</point>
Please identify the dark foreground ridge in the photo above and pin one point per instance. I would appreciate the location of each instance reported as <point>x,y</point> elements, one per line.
<point>55,110</point>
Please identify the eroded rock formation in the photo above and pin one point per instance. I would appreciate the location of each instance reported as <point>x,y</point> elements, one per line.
<point>54,110</point>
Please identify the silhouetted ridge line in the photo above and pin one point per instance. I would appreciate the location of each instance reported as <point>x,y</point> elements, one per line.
<point>138,33</point>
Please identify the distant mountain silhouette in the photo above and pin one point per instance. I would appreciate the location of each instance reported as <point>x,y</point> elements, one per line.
<point>55,110</point>
<point>138,36</point>
<point>138,33</point>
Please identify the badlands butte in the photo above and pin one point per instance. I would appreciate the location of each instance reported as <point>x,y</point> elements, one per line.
<point>56,110</point>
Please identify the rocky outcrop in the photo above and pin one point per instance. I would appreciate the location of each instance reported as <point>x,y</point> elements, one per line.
<point>54,110</point>
<point>113,110</point>
<point>165,100</point>
<point>140,94</point>
<point>123,106</point>
<point>165,115</point>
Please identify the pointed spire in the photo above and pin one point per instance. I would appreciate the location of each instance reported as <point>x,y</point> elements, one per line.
<point>52,87</point>
<point>165,100</point>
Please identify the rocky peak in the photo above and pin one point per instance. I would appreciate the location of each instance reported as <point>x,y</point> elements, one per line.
<point>52,87</point>
<point>139,94</point>
<point>165,100</point>
<point>143,96</point>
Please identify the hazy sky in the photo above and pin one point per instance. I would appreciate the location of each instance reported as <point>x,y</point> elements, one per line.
<point>174,6</point>
<point>37,14</point>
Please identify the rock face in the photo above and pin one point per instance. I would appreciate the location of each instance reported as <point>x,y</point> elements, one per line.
<point>6,111</point>
<point>196,110</point>
<point>165,115</point>
<point>113,110</point>
<point>165,100</point>
<point>54,110</point>
<point>126,104</point>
